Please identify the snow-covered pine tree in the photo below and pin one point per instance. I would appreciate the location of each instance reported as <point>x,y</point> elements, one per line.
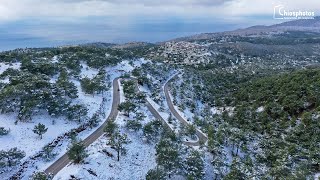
<point>111,127</point>
<point>48,153</point>
<point>117,141</point>
<point>94,120</point>
<point>11,157</point>
<point>156,174</point>
<point>134,125</point>
<point>4,131</point>
<point>40,176</point>
<point>77,112</point>
<point>68,87</point>
<point>77,151</point>
<point>127,107</point>
<point>194,166</point>
<point>40,129</point>
<point>167,155</point>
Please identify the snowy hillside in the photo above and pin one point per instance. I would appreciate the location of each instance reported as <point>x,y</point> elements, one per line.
<point>224,107</point>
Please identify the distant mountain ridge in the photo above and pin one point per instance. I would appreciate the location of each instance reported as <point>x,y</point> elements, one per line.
<point>309,25</point>
<point>312,25</point>
<point>301,23</point>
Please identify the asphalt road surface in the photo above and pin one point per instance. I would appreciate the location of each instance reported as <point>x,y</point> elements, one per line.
<point>202,137</point>
<point>64,160</point>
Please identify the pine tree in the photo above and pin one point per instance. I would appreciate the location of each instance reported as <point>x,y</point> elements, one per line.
<point>57,104</point>
<point>191,130</point>
<point>77,112</point>
<point>40,129</point>
<point>94,120</point>
<point>117,141</point>
<point>235,171</point>
<point>86,85</point>
<point>139,116</point>
<point>127,107</point>
<point>140,97</point>
<point>129,89</point>
<point>11,157</point>
<point>98,84</point>
<point>194,166</point>
<point>167,155</point>
<point>111,127</point>
<point>68,87</point>
<point>151,129</point>
<point>48,153</point>
<point>77,152</point>
<point>156,174</point>
<point>134,125</point>
<point>99,81</point>
<point>3,131</point>
<point>40,176</point>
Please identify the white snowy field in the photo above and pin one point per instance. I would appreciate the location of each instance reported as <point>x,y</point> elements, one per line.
<point>5,66</point>
<point>135,164</point>
<point>22,136</point>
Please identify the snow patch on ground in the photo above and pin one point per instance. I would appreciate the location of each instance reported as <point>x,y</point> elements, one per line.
<point>135,164</point>
<point>6,80</point>
<point>22,136</point>
<point>208,168</point>
<point>216,110</point>
<point>55,59</point>
<point>92,102</point>
<point>220,110</point>
<point>87,71</point>
<point>5,66</point>
<point>260,109</point>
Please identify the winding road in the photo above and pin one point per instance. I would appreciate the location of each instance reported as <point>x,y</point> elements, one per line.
<point>202,137</point>
<point>64,160</point>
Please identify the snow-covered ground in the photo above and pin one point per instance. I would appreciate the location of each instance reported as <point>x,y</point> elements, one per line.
<point>135,164</point>
<point>156,106</point>
<point>5,66</point>
<point>22,136</point>
<point>140,155</point>
<point>87,71</point>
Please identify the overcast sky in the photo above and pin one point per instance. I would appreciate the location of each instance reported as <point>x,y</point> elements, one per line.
<point>51,22</point>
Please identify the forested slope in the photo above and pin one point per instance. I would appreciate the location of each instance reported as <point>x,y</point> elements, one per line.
<point>275,127</point>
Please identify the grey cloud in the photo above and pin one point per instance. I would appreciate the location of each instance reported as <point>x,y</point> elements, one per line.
<point>158,2</point>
